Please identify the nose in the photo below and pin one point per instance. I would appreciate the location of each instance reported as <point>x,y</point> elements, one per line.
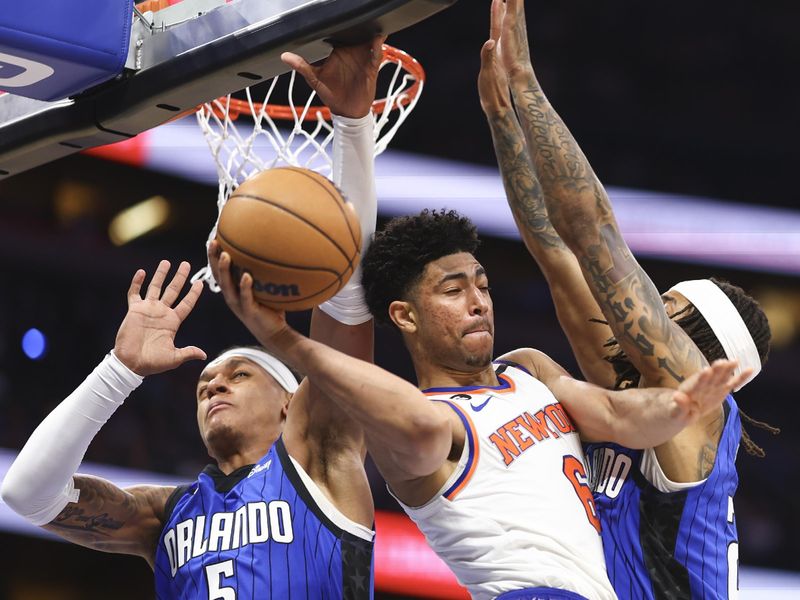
<point>479,302</point>
<point>217,385</point>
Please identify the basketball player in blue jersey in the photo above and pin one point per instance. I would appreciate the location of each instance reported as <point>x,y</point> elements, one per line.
<point>667,512</point>
<point>286,511</point>
<point>492,471</point>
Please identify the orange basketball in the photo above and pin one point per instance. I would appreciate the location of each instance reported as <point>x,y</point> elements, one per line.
<point>292,230</point>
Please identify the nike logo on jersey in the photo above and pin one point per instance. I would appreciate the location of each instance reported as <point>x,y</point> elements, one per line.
<point>480,406</point>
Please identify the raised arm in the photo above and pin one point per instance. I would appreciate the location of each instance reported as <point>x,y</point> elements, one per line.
<point>41,485</point>
<point>573,299</point>
<point>580,211</point>
<point>328,444</point>
<point>640,417</point>
<point>346,83</point>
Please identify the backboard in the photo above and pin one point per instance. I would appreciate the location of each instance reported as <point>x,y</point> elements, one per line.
<point>173,67</point>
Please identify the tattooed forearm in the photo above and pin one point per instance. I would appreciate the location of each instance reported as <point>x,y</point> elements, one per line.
<point>635,312</point>
<point>77,519</point>
<point>102,508</point>
<point>524,193</point>
<point>558,159</point>
<point>580,212</point>
<point>111,519</point>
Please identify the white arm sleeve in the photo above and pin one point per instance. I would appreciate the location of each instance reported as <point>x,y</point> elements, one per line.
<point>354,174</point>
<point>39,483</point>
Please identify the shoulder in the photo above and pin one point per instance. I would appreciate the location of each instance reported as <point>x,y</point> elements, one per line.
<point>536,362</point>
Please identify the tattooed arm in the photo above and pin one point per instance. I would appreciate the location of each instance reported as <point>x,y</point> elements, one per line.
<point>573,299</point>
<point>111,519</point>
<point>41,484</point>
<point>580,211</point>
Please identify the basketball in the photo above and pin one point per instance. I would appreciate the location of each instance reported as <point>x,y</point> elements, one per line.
<point>292,230</point>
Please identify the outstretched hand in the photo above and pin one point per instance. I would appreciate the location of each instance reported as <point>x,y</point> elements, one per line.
<point>263,322</point>
<point>492,79</point>
<point>346,81</point>
<point>705,390</point>
<point>146,339</point>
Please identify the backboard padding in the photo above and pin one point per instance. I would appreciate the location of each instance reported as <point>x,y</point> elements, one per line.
<point>204,58</point>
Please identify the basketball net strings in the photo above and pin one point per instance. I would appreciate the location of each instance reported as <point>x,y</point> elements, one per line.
<point>240,151</point>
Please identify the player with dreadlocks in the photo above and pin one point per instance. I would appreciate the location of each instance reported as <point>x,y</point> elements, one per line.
<point>667,512</point>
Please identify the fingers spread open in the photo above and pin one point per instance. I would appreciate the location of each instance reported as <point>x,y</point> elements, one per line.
<point>154,289</point>
<point>134,291</point>
<point>176,285</point>
<point>190,353</point>
<point>186,305</point>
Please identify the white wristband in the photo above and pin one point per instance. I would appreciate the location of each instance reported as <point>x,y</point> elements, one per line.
<point>39,483</point>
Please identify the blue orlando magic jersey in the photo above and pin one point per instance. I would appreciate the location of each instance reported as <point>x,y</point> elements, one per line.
<point>263,532</point>
<point>661,545</point>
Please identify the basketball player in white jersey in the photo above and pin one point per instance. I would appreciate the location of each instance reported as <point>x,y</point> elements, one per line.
<point>492,470</point>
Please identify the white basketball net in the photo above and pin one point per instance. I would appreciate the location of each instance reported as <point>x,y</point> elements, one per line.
<point>242,148</point>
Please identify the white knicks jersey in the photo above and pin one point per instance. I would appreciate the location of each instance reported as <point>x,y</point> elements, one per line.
<point>517,512</point>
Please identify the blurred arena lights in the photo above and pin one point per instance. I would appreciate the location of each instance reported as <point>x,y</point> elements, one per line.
<point>659,225</point>
<point>137,220</point>
<point>34,344</point>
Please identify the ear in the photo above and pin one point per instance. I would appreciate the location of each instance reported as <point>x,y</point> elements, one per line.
<point>404,316</point>
<point>285,407</point>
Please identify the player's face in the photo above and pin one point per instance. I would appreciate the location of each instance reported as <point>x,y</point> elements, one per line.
<point>456,319</point>
<point>237,400</point>
<point>674,302</point>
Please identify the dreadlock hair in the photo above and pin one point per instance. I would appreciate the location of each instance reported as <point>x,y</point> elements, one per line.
<point>397,257</point>
<point>695,325</point>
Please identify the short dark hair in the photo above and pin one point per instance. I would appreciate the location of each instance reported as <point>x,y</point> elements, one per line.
<point>399,253</point>
<point>698,329</point>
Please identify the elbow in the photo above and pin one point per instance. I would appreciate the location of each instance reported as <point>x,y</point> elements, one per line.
<point>12,493</point>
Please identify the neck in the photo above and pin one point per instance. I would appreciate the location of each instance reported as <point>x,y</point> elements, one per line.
<point>230,463</point>
<point>431,375</point>
<point>235,456</point>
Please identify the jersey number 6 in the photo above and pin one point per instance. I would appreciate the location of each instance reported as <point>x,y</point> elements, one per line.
<point>576,474</point>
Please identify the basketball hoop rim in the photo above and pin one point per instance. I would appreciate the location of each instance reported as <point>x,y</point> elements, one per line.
<point>235,107</point>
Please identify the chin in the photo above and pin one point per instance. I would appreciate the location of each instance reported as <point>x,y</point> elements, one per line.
<point>221,439</point>
<point>479,360</point>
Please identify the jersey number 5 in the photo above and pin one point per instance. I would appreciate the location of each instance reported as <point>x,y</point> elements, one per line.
<point>576,474</point>
<point>214,575</point>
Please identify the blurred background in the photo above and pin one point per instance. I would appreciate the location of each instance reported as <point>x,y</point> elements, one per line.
<point>692,99</point>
